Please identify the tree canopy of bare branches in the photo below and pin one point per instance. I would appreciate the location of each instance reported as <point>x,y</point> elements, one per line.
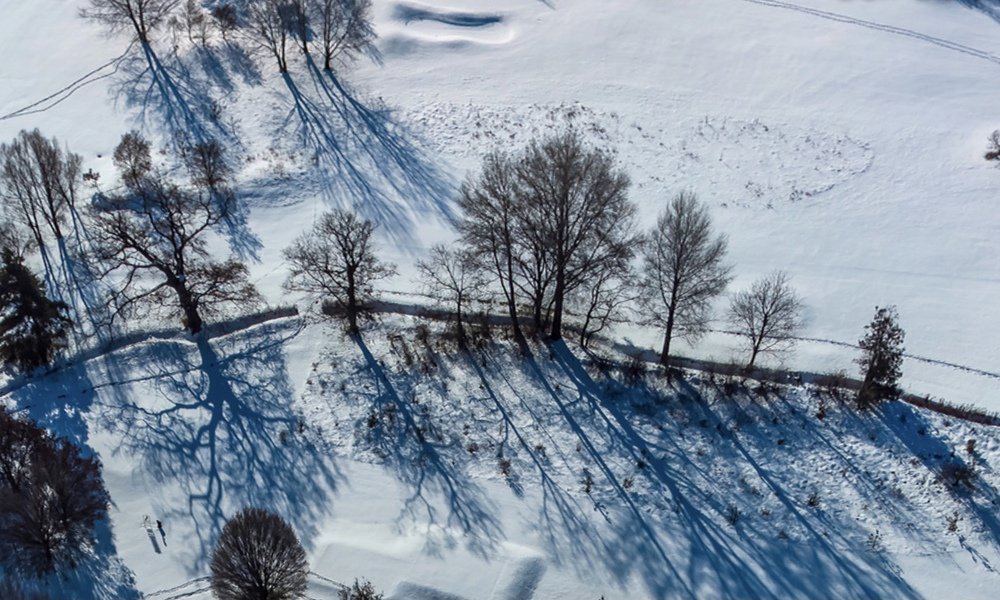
<point>553,217</point>
<point>50,497</point>
<point>767,315</point>
<point>270,25</point>
<point>258,557</point>
<point>132,158</point>
<point>682,271</point>
<point>155,240</point>
<point>452,277</point>
<point>142,16</point>
<point>488,204</point>
<point>337,261</point>
<point>344,28</point>
<point>38,183</point>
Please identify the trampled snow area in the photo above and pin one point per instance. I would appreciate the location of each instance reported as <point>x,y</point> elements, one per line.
<point>840,141</point>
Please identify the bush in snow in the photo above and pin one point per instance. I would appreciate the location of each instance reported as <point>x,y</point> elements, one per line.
<point>360,591</point>
<point>993,146</point>
<point>258,557</point>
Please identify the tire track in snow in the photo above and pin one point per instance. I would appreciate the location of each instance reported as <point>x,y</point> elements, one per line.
<point>831,16</point>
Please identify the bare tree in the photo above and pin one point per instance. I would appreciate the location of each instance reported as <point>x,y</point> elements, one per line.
<point>488,204</point>
<point>271,24</point>
<point>344,28</point>
<point>603,299</point>
<point>195,21</point>
<point>452,277</point>
<point>682,272</point>
<point>767,315</point>
<point>155,240</point>
<point>576,207</point>
<point>13,238</point>
<point>363,590</point>
<point>39,182</point>
<point>258,557</point>
<point>143,16</point>
<point>208,166</point>
<point>337,260</point>
<point>49,507</point>
<point>132,158</point>
<point>226,19</point>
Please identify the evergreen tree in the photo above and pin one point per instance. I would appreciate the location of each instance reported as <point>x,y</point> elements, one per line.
<point>882,357</point>
<point>32,327</point>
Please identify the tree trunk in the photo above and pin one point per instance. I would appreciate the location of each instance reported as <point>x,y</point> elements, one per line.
<point>556,333</point>
<point>192,320</point>
<point>352,303</point>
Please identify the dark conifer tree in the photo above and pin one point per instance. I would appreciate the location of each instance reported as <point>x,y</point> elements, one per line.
<point>882,357</point>
<point>33,328</point>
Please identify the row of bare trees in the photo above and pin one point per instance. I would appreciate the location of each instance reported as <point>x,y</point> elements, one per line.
<point>149,240</point>
<point>549,231</point>
<point>339,29</point>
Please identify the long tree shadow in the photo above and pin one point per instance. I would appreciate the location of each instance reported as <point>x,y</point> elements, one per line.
<point>369,160</point>
<point>168,94</point>
<point>976,495</point>
<point>411,446</point>
<point>718,558</point>
<point>225,434</point>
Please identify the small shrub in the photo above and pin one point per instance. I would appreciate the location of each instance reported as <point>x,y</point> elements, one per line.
<point>732,514</point>
<point>765,513</point>
<point>957,473</point>
<point>874,542</point>
<point>587,482</point>
<point>628,482</point>
<point>813,500</point>
<point>993,146</point>
<point>472,448</point>
<point>953,522</point>
<point>540,450</point>
<point>422,334</point>
<point>970,447</point>
<point>635,370</point>
<point>504,464</point>
<point>360,591</point>
<point>833,384</point>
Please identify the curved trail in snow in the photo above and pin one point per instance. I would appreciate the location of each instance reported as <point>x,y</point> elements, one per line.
<point>64,93</point>
<point>831,16</point>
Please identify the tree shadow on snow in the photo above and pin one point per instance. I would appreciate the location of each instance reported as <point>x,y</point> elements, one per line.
<point>420,457</point>
<point>224,432</point>
<point>692,552</point>
<point>369,160</point>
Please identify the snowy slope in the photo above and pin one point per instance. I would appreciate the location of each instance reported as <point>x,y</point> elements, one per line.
<point>387,456</point>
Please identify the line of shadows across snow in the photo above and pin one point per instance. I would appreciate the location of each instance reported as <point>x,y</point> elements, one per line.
<point>171,96</point>
<point>366,158</point>
<point>223,433</point>
<point>688,549</point>
<point>422,459</point>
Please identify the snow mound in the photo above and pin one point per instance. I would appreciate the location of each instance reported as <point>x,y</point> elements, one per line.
<point>417,26</point>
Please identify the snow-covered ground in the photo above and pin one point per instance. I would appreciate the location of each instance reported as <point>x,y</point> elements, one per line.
<point>438,474</point>
<point>840,141</point>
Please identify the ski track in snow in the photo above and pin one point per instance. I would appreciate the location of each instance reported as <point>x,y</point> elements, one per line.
<point>975,52</point>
